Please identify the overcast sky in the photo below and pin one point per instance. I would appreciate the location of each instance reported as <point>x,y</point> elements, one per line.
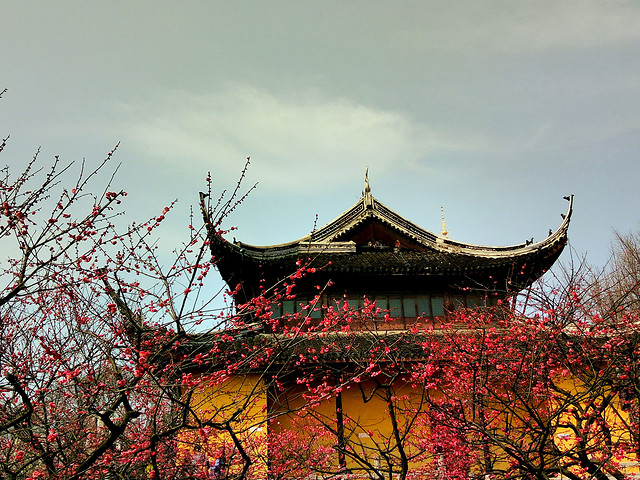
<point>494,109</point>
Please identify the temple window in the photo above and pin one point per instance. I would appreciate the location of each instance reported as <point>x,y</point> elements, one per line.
<point>409,307</point>
<point>437,307</point>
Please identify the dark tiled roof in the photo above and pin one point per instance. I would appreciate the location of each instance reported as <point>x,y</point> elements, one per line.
<point>396,261</point>
<point>417,253</point>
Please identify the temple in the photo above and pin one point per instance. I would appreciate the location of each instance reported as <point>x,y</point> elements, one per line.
<point>372,252</point>
<point>321,375</point>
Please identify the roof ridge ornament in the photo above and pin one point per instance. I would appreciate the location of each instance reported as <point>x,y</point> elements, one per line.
<point>367,198</point>
<point>444,225</point>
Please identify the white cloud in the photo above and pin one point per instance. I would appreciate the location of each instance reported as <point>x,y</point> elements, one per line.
<point>299,140</point>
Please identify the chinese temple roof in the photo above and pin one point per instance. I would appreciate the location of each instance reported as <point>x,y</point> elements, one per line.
<point>370,247</point>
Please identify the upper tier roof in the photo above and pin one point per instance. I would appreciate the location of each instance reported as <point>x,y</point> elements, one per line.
<point>370,245</point>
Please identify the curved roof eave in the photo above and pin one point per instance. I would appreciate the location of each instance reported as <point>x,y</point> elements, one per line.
<point>369,207</point>
<point>560,235</point>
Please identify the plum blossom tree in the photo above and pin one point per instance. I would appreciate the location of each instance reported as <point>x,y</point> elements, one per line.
<point>49,333</point>
<point>551,391</point>
<point>92,378</point>
<point>114,361</point>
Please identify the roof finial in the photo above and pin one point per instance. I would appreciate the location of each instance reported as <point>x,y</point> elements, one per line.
<point>444,225</point>
<point>366,195</point>
<point>367,188</point>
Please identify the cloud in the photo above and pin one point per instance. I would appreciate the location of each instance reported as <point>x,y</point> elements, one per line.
<point>294,140</point>
<point>515,27</point>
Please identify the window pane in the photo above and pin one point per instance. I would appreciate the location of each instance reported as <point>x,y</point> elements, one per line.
<point>288,306</point>
<point>423,307</point>
<point>276,308</point>
<point>314,309</point>
<point>306,308</point>
<point>437,303</point>
<point>381,303</point>
<point>409,306</point>
<point>395,307</point>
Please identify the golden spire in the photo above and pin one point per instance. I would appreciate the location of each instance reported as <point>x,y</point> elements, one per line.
<point>444,225</point>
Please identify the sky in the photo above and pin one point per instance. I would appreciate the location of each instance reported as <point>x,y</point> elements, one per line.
<point>494,110</point>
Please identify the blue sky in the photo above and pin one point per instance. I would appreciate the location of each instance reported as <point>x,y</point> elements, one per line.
<point>493,109</point>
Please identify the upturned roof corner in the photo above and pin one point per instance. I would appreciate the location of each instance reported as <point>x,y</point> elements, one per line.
<point>370,240</point>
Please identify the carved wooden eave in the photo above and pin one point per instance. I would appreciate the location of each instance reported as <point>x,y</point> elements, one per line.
<point>370,245</point>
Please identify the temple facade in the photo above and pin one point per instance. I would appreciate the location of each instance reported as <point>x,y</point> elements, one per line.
<point>322,388</point>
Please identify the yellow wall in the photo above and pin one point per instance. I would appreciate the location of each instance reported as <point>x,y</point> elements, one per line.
<point>367,425</point>
<point>303,437</point>
<point>241,403</point>
<point>616,419</point>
